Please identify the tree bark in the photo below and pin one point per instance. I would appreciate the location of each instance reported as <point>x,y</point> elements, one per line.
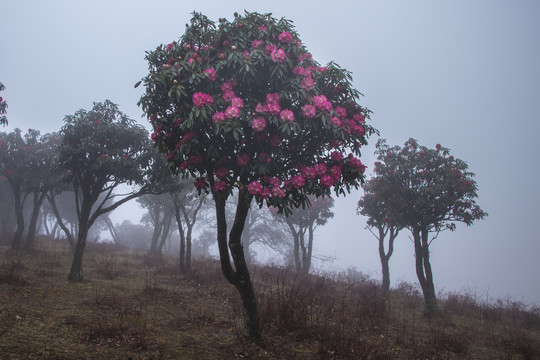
<point>423,270</point>
<point>239,277</point>
<point>32,226</point>
<point>76,271</point>
<point>16,243</point>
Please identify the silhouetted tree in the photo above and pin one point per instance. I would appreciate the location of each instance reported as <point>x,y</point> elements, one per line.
<point>244,106</point>
<point>377,194</point>
<point>100,150</point>
<point>430,191</point>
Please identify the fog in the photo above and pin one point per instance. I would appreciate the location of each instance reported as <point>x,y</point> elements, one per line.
<point>463,74</point>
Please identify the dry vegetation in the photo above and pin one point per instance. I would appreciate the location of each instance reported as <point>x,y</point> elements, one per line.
<point>134,307</point>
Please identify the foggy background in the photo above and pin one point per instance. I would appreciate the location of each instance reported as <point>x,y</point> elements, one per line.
<point>465,74</point>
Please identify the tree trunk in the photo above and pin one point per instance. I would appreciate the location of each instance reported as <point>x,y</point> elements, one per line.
<point>423,270</point>
<point>182,255</point>
<point>166,228</point>
<point>76,271</point>
<point>32,227</point>
<point>16,243</point>
<point>239,277</point>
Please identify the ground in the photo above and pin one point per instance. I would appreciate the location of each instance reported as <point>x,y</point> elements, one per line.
<point>131,306</point>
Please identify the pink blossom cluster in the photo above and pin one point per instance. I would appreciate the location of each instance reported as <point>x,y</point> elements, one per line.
<point>258,124</point>
<point>278,55</point>
<point>285,37</point>
<point>309,111</point>
<point>211,74</point>
<point>200,99</point>
<point>322,103</point>
<point>271,106</point>
<point>220,186</point>
<point>200,183</point>
<point>286,115</point>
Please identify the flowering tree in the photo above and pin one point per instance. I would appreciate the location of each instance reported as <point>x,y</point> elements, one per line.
<point>242,105</point>
<point>101,149</point>
<point>430,191</point>
<point>378,193</point>
<point>3,108</point>
<point>302,224</point>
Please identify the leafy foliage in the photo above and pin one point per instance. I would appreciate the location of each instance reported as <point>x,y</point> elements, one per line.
<point>243,102</point>
<point>3,107</point>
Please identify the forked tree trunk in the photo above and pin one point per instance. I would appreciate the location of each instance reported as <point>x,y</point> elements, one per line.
<point>76,271</point>
<point>239,276</point>
<point>423,270</point>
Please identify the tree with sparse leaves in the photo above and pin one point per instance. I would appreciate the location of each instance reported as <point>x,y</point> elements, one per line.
<point>100,150</point>
<point>242,106</point>
<point>427,191</point>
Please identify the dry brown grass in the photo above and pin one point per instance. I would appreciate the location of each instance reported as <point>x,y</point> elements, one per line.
<point>134,307</point>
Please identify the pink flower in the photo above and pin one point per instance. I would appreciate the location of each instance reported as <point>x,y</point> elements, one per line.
<point>336,156</point>
<point>287,115</point>
<point>269,49</point>
<point>218,117</point>
<point>335,121</point>
<point>309,111</point>
<point>200,183</point>
<point>275,181</point>
<point>278,56</point>
<point>232,112</point>
<point>308,172</point>
<point>200,99</point>
<point>254,188</point>
<point>222,172</point>
<point>272,98</point>
<point>237,102</point>
<point>262,28</point>
<point>356,163</point>
<point>227,85</point>
<point>258,124</point>
<point>298,181</point>
<point>359,118</point>
<point>285,37</point>
<point>211,74</point>
<point>278,192</point>
<point>171,156</point>
<point>322,103</point>
<point>274,140</point>
<point>335,171</point>
<point>322,69</point>
<point>326,181</point>
<point>299,71</point>
<point>357,130</point>
<point>265,193</point>
<point>320,169</point>
<point>228,95</point>
<point>260,108</point>
<point>220,186</point>
<point>256,43</point>
<point>307,83</point>
<point>273,109</point>
<point>170,46</point>
<point>341,112</point>
<point>242,160</point>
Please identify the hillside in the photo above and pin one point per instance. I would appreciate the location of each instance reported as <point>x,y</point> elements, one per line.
<point>134,307</point>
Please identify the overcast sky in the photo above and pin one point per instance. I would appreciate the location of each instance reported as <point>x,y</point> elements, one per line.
<point>465,74</point>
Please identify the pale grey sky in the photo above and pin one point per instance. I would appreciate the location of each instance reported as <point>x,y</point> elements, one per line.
<point>461,73</point>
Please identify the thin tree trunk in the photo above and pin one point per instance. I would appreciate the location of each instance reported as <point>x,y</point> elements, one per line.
<point>16,243</point>
<point>76,271</point>
<point>423,270</point>
<point>240,277</point>
<point>32,227</point>
<point>59,222</point>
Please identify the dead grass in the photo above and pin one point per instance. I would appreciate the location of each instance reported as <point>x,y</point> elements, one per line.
<point>134,307</point>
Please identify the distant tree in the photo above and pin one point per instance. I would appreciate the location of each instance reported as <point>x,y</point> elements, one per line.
<point>302,224</point>
<point>244,106</point>
<point>25,164</point>
<point>100,150</point>
<point>7,213</point>
<point>133,236</point>
<point>430,192</point>
<point>377,194</point>
<point>3,107</point>
<point>159,217</point>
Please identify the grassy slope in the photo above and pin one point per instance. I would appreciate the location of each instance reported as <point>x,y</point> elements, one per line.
<point>130,306</point>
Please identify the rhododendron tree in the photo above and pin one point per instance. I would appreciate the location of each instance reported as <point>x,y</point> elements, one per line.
<point>100,150</point>
<point>302,224</point>
<point>261,67</point>
<point>427,191</point>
